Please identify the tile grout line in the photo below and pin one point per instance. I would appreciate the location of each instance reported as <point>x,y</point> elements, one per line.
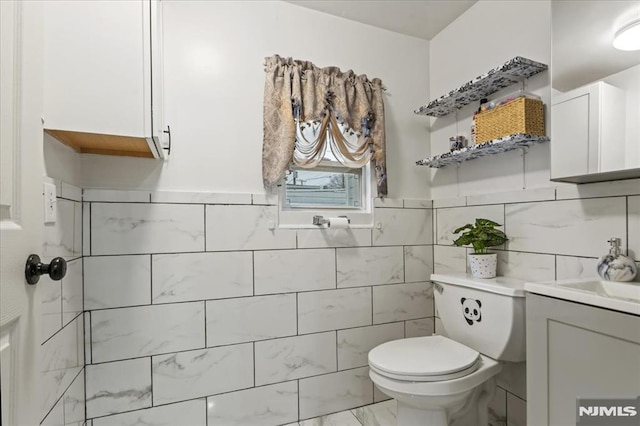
<point>404,264</point>
<point>337,366</point>
<point>253,271</point>
<point>62,394</point>
<point>371,287</point>
<point>298,398</point>
<point>473,204</point>
<point>404,328</point>
<point>62,303</point>
<point>267,340</point>
<point>90,339</point>
<point>64,408</point>
<point>524,252</point>
<point>166,404</point>
<point>242,250</point>
<point>60,329</point>
<point>504,225</point>
<point>151,279</point>
<point>204,307</point>
<point>335,265</point>
<point>627,226</point>
<point>85,392</point>
<point>506,407</point>
<point>354,415</point>
<point>324,290</point>
<point>151,377</point>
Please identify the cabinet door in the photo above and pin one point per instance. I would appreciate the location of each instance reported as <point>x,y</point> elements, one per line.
<point>97,67</point>
<point>153,26</point>
<point>577,351</point>
<point>612,127</point>
<point>570,137</point>
<point>588,131</point>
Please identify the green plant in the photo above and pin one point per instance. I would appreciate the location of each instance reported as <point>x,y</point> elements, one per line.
<point>480,236</point>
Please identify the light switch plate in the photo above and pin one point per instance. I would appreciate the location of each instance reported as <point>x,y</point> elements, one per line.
<point>49,203</point>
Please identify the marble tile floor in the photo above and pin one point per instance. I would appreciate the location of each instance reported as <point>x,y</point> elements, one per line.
<point>380,414</point>
<point>384,414</point>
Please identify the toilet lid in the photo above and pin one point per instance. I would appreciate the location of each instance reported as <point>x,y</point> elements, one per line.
<point>423,356</point>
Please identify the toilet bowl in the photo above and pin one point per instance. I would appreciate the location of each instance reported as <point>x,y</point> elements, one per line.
<point>441,381</point>
<point>434,379</point>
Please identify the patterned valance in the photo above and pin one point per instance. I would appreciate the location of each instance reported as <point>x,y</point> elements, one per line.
<point>298,92</point>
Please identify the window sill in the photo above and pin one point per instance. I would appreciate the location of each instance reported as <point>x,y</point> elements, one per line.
<point>303,219</point>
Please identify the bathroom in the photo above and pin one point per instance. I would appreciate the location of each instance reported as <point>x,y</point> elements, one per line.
<point>186,302</point>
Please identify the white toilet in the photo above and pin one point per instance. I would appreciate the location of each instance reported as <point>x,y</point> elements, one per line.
<point>440,381</point>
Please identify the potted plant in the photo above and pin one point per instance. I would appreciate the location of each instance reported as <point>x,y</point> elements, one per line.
<point>481,236</point>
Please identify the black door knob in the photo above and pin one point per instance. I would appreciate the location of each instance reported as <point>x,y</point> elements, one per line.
<point>57,269</point>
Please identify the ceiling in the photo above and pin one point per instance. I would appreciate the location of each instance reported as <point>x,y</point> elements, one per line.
<point>582,33</point>
<point>582,30</point>
<point>418,18</point>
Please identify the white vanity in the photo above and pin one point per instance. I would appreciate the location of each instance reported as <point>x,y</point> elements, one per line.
<point>583,341</point>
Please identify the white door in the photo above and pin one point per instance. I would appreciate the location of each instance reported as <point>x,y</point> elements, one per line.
<point>21,211</point>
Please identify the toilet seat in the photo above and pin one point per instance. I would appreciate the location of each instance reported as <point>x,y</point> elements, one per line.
<point>487,369</point>
<point>424,359</point>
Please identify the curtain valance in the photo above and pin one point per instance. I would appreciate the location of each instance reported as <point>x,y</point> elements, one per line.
<point>297,92</point>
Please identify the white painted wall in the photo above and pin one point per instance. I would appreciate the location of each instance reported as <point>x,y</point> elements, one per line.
<point>485,36</point>
<point>214,54</point>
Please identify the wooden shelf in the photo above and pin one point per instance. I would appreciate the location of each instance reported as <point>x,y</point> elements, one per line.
<point>511,72</point>
<point>496,146</point>
<point>97,143</point>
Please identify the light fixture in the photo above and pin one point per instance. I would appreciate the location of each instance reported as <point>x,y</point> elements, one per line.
<point>628,37</point>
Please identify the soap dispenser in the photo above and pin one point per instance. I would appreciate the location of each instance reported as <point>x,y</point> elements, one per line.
<point>615,266</point>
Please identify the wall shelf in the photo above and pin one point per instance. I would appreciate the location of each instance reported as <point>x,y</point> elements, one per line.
<point>496,146</point>
<point>511,72</point>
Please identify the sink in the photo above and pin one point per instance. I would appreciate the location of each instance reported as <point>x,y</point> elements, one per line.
<point>619,296</point>
<point>629,291</point>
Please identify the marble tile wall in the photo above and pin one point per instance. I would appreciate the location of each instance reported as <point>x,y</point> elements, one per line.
<point>554,233</point>
<point>199,308</point>
<point>218,316</point>
<point>61,399</point>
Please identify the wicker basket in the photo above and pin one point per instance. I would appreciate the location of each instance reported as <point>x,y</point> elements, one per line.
<point>523,115</point>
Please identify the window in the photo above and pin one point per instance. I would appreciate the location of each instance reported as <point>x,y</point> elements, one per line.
<point>313,109</point>
<point>329,189</point>
<point>326,186</point>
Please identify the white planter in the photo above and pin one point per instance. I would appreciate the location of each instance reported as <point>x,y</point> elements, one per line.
<point>483,265</point>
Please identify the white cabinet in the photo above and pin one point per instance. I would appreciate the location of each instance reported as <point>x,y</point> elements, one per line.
<point>587,132</point>
<point>577,351</point>
<point>102,76</point>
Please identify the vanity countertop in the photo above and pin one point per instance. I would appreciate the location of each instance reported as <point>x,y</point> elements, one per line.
<point>618,296</point>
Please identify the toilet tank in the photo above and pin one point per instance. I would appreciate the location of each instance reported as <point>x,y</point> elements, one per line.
<point>487,315</point>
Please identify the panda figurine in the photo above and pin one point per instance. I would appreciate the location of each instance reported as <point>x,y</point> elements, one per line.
<point>471,310</point>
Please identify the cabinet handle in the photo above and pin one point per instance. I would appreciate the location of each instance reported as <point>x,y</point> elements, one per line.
<point>168,131</point>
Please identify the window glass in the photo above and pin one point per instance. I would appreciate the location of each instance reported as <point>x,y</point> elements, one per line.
<point>324,186</point>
